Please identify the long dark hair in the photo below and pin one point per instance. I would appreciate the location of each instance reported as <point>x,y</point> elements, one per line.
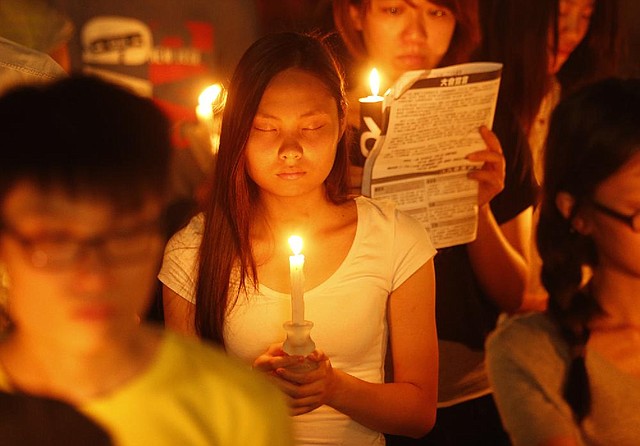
<point>516,33</point>
<point>226,245</point>
<point>592,134</point>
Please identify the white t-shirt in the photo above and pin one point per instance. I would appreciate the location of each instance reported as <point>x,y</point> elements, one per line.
<point>348,309</point>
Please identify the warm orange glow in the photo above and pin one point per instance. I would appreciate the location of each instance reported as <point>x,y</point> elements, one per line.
<point>295,242</point>
<point>296,265</point>
<point>210,94</point>
<point>374,82</point>
<point>206,101</point>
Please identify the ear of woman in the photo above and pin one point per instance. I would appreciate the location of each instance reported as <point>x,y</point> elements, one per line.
<point>565,202</point>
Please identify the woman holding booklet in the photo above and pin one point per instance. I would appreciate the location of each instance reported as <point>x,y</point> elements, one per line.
<point>475,281</point>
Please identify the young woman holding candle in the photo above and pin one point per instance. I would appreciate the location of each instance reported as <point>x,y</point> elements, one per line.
<point>476,281</point>
<point>571,376</point>
<point>282,169</point>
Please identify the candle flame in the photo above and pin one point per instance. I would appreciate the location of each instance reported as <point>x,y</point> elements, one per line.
<point>212,98</point>
<point>296,244</point>
<point>209,94</point>
<point>374,82</point>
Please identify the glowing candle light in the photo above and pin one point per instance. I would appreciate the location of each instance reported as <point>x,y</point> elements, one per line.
<point>204,110</point>
<point>296,264</point>
<point>371,106</point>
<point>209,110</point>
<point>374,83</point>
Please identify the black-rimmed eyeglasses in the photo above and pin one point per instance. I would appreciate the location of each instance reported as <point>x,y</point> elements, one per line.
<point>633,221</point>
<point>115,248</point>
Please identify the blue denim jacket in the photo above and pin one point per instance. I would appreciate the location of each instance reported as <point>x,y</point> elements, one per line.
<point>21,65</point>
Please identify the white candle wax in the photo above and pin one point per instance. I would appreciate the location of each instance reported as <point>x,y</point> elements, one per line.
<point>296,273</point>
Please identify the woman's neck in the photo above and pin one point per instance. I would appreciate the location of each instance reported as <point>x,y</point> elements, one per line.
<point>287,214</point>
<point>617,294</point>
<point>276,221</point>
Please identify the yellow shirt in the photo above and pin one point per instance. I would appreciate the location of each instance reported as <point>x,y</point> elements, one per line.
<point>192,395</point>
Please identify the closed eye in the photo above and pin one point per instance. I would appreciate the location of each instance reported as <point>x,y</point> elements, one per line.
<point>264,128</point>
<point>314,127</point>
<point>264,124</point>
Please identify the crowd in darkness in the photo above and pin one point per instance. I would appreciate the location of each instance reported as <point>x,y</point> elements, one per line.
<point>143,282</point>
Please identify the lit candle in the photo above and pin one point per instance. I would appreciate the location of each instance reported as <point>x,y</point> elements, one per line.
<point>296,265</point>
<point>209,110</point>
<point>204,110</point>
<point>371,106</point>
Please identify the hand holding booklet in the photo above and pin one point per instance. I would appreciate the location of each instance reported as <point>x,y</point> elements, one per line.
<point>418,159</point>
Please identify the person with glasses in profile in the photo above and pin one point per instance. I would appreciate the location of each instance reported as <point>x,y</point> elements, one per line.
<point>570,376</point>
<point>82,200</point>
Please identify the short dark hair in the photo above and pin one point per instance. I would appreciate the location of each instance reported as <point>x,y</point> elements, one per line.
<point>86,137</point>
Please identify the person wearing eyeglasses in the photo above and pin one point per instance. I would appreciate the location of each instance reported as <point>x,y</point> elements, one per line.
<point>82,204</point>
<point>571,376</point>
